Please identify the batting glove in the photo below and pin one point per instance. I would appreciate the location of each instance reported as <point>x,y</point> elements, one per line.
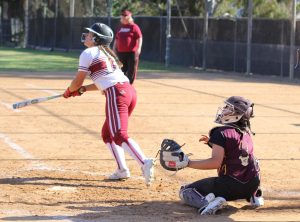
<point>78,92</point>
<point>67,93</point>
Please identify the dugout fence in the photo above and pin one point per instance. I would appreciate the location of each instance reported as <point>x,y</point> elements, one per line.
<point>226,46</point>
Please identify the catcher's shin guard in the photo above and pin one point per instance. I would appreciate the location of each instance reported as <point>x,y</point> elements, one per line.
<point>192,197</point>
<point>213,207</point>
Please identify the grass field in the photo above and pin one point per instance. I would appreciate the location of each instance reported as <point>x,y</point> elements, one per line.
<point>30,60</point>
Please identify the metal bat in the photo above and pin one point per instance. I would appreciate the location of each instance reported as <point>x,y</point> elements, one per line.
<point>34,101</point>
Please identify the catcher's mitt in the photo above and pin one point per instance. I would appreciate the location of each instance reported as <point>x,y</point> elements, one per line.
<point>171,156</point>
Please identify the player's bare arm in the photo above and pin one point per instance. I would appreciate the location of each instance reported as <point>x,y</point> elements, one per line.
<point>212,163</point>
<point>91,87</point>
<point>140,43</point>
<point>77,81</point>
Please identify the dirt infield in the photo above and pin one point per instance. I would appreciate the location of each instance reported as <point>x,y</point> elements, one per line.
<point>53,163</point>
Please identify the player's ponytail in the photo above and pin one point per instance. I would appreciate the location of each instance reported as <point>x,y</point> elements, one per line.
<point>110,53</point>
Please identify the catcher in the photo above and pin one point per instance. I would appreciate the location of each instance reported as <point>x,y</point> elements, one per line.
<point>232,155</point>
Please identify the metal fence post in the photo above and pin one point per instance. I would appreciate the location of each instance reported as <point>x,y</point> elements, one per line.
<point>235,44</point>
<point>72,13</point>
<point>249,36</point>
<point>292,43</point>
<point>109,10</point>
<point>92,8</point>
<point>168,33</point>
<point>26,24</point>
<point>44,24</point>
<point>1,33</point>
<point>160,38</point>
<point>55,24</point>
<point>205,31</point>
<point>282,49</point>
<point>1,22</point>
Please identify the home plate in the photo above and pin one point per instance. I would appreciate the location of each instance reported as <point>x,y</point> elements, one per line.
<point>62,188</point>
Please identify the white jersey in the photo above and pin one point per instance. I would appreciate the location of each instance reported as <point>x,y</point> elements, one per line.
<point>103,70</point>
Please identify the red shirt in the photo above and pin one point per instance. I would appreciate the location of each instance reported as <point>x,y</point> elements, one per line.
<point>127,36</point>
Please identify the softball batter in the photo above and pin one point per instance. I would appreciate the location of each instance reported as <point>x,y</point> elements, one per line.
<point>102,65</point>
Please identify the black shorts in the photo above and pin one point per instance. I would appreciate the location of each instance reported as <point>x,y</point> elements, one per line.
<point>226,187</point>
<point>130,64</point>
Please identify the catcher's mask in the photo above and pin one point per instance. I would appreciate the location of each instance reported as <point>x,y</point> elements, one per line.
<point>236,108</point>
<point>103,35</point>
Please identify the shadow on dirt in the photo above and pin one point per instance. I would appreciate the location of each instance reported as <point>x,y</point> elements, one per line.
<point>134,211</point>
<point>63,182</point>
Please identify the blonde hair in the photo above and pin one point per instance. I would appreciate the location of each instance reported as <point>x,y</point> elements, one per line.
<point>129,19</point>
<point>110,54</point>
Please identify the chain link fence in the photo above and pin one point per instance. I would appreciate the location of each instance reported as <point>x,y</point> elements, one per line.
<point>226,45</point>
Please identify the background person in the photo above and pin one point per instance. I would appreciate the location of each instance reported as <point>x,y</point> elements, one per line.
<point>100,63</point>
<point>128,45</point>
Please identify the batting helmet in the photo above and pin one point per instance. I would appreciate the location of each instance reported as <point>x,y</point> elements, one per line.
<point>103,35</point>
<point>236,108</point>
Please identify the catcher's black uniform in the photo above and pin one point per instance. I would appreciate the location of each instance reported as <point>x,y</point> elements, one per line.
<point>238,175</point>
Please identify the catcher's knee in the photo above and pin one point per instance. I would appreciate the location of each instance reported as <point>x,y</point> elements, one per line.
<point>192,197</point>
<point>120,137</point>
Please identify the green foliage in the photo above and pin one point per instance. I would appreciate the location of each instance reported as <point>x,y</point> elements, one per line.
<point>271,9</point>
<point>137,7</point>
<point>189,7</point>
<point>267,8</point>
<point>261,8</point>
<point>226,9</point>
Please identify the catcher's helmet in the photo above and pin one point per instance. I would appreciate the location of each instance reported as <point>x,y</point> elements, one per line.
<point>103,35</point>
<point>236,108</point>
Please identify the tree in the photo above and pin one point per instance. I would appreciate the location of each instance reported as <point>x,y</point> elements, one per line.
<point>235,8</point>
<point>138,7</point>
<point>267,8</point>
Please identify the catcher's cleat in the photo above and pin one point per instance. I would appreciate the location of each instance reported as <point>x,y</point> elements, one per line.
<point>217,204</point>
<point>192,197</point>
<point>148,171</point>
<point>257,199</point>
<point>119,175</point>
